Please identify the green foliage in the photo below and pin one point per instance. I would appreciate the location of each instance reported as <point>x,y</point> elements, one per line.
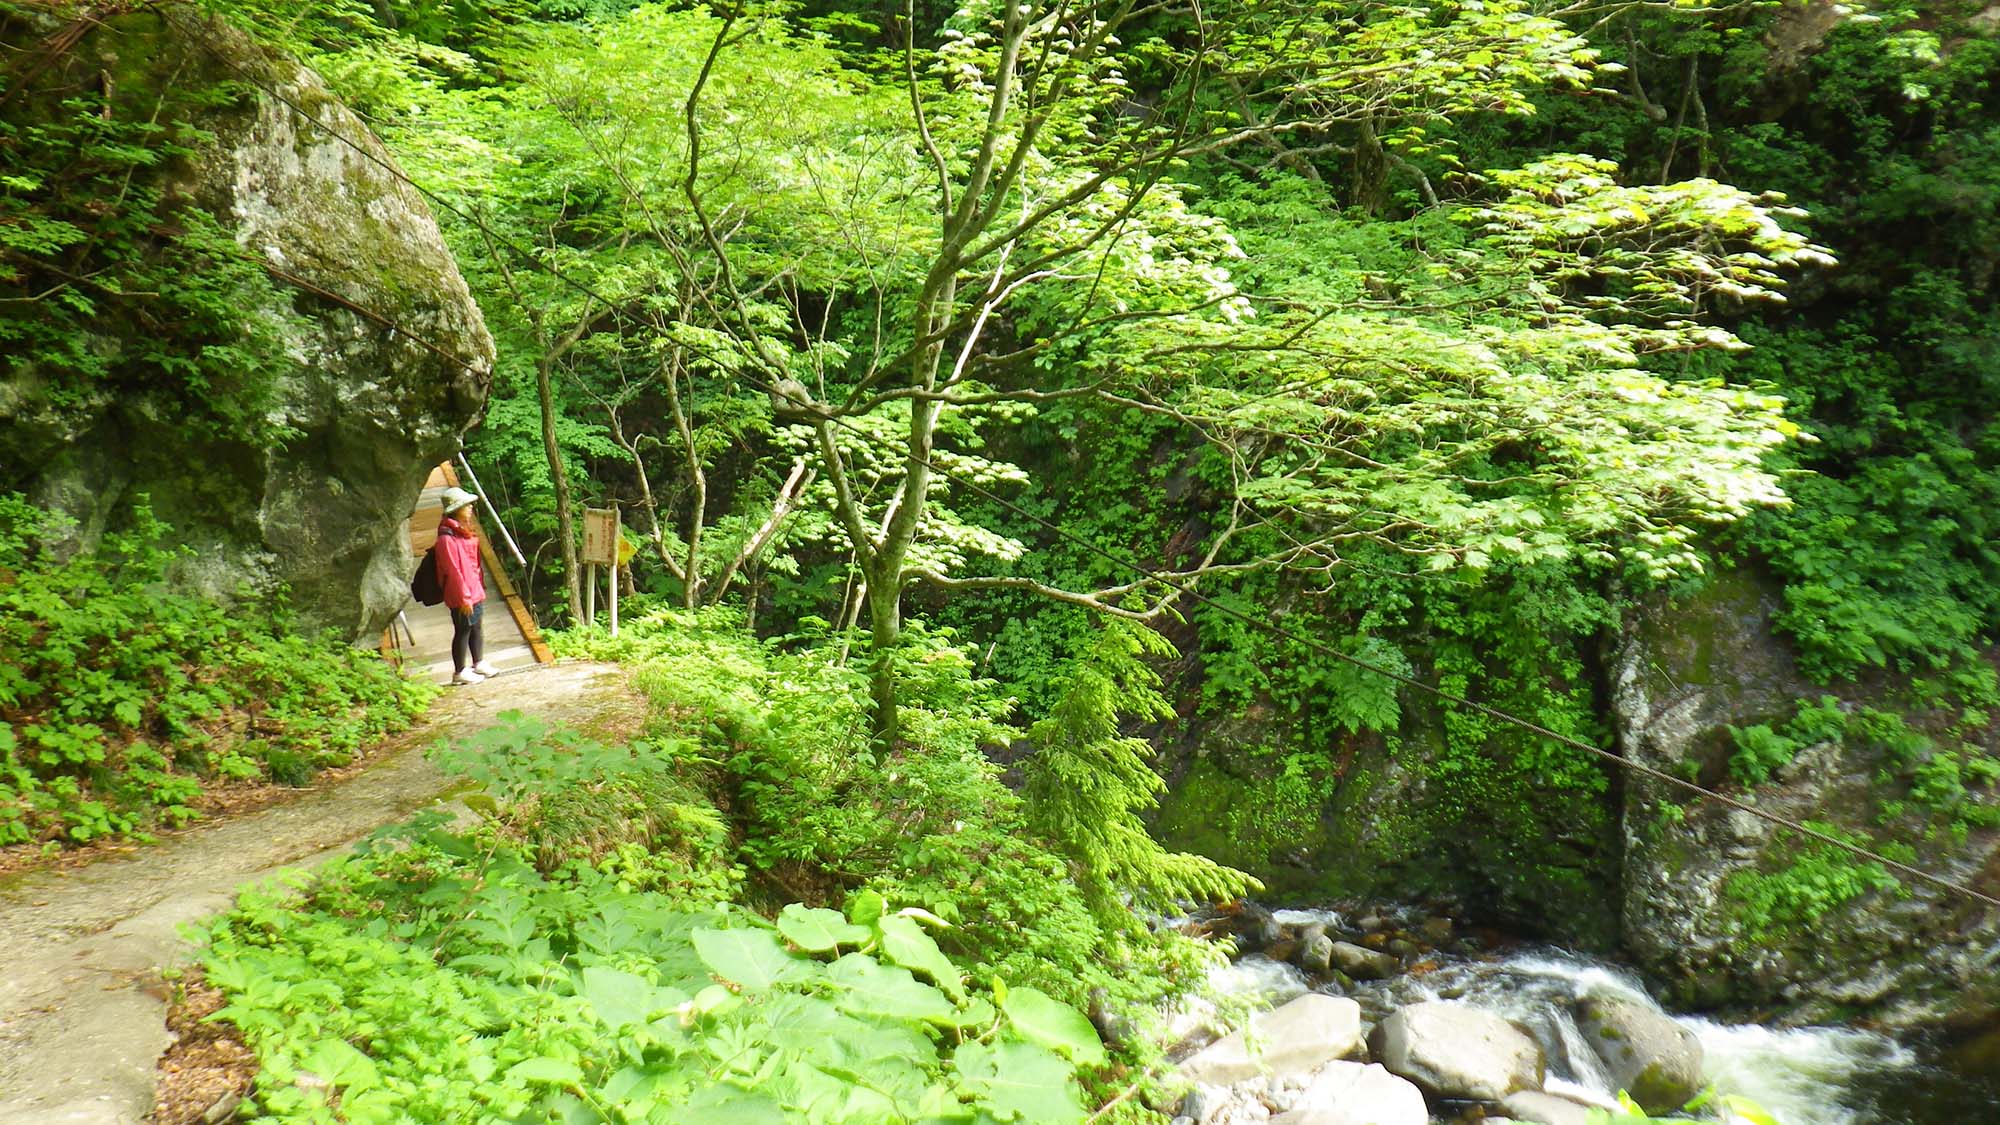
<point>1821,878</point>
<point>1734,1108</point>
<point>119,696</point>
<point>1087,783</point>
<point>1943,775</point>
<point>117,291</point>
<point>817,817</point>
<point>475,986</point>
<point>515,969</point>
<point>1762,750</point>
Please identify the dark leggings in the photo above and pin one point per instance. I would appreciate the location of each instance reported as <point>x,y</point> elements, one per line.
<point>466,635</point>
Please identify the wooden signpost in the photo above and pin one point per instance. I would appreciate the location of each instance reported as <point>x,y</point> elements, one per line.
<point>601,540</point>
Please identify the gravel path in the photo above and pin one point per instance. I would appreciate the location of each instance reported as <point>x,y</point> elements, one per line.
<point>82,1001</point>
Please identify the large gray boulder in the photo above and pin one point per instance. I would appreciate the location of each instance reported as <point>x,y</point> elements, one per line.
<point>1294,1038</point>
<point>349,251</point>
<point>1645,1052</point>
<point>1457,1051</point>
<point>1539,1108</point>
<point>1347,1093</point>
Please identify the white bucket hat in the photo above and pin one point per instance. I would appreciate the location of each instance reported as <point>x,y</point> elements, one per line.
<point>455,498</point>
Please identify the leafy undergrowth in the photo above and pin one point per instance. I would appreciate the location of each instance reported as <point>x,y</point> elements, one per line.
<point>818,816</point>
<point>545,966</point>
<point>744,916</point>
<point>121,699</point>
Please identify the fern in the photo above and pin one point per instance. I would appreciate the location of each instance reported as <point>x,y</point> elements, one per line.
<point>1089,783</point>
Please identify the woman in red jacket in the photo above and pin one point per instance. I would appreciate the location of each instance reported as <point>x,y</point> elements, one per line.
<point>464,585</point>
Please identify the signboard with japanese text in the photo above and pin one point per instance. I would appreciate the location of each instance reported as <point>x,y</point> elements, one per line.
<point>600,536</point>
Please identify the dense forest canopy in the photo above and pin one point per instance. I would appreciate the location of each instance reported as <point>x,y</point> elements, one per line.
<point>794,289</point>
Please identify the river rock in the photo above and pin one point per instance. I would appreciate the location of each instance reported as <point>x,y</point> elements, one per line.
<point>1539,1108</point>
<point>347,246</point>
<point>1648,1055</point>
<point>1348,1093</point>
<point>1316,953</point>
<point>1293,1038</point>
<point>1458,1051</point>
<point>1362,963</point>
<point>1202,1103</point>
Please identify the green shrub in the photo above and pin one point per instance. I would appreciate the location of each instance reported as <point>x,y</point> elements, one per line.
<point>119,695</point>
<point>477,988</point>
<point>1760,751</point>
<point>819,819</point>
<point>575,955</point>
<point>1820,879</point>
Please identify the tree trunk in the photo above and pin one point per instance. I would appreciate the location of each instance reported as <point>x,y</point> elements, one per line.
<point>697,481</point>
<point>885,621</point>
<point>565,524</point>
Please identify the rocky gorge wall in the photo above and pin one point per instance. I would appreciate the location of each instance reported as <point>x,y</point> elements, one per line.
<point>1726,909</point>
<point>1723,910</point>
<point>366,409</point>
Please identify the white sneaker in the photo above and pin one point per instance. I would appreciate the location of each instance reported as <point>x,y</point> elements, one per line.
<point>466,678</point>
<point>485,669</point>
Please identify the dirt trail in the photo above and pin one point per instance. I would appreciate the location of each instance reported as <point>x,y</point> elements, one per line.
<point>82,1002</point>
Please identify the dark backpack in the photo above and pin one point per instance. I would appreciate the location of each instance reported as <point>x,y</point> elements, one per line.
<point>427,587</point>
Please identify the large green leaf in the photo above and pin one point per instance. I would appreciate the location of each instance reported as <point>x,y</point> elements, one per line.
<point>867,908</point>
<point>546,1069</point>
<point>818,930</point>
<point>1041,1018</point>
<point>340,1063</point>
<point>618,997</point>
<point>906,943</point>
<point>753,959</point>
<point>886,990</point>
<point>1020,1082</point>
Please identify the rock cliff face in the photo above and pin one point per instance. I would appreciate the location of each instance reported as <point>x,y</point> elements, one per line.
<point>1723,909</point>
<point>1904,957</point>
<point>1374,817</point>
<point>352,251</point>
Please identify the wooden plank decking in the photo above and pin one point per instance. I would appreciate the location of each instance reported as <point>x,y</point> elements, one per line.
<point>422,637</point>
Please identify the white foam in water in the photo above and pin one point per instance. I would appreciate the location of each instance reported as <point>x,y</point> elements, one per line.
<point>1326,918</point>
<point>1795,1074</point>
<point>1273,982</point>
<point>1269,983</point>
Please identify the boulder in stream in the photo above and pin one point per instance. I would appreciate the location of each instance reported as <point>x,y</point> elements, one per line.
<point>1347,1093</point>
<point>1315,953</point>
<point>1458,1051</point>
<point>1295,1038</point>
<point>1362,963</point>
<point>1647,1054</point>
<point>1534,1107</point>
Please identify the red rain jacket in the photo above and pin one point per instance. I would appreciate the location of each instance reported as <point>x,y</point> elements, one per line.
<point>458,565</point>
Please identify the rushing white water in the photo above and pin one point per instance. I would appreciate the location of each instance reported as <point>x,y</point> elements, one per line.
<point>1798,1075</point>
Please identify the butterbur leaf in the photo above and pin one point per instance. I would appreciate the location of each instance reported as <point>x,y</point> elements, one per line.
<point>818,930</point>
<point>547,1070</point>
<point>884,990</point>
<point>618,997</point>
<point>339,1063</point>
<point>753,959</point>
<point>1041,1018</point>
<point>908,945</point>
<point>867,908</point>
<point>1020,1082</point>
